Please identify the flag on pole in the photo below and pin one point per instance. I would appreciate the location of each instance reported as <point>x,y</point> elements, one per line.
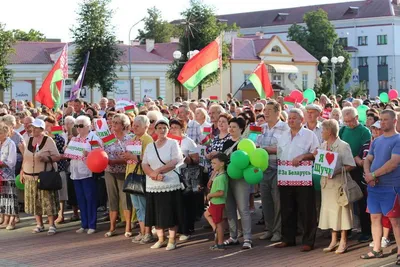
<point>260,80</point>
<point>208,60</point>
<point>79,82</point>
<point>56,130</point>
<point>50,92</point>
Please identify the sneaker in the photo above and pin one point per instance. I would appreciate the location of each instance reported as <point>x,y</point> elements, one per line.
<point>148,238</point>
<point>217,247</point>
<point>385,242</point>
<point>184,237</point>
<point>137,238</point>
<point>276,238</point>
<point>91,231</point>
<point>80,230</point>
<point>267,235</point>
<point>364,238</point>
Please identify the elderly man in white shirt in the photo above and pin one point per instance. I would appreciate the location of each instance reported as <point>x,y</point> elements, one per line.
<point>297,145</point>
<point>312,122</point>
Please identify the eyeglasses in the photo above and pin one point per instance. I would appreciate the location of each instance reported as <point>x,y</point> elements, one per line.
<point>152,121</point>
<point>258,110</point>
<point>79,126</point>
<point>116,122</point>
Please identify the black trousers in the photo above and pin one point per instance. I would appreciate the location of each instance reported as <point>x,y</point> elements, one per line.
<point>101,189</point>
<point>365,219</point>
<point>189,213</point>
<point>298,204</point>
<point>71,191</point>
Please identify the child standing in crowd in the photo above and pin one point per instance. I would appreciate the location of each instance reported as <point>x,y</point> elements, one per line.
<point>217,198</point>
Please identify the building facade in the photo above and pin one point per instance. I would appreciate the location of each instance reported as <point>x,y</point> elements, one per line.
<point>369,30</point>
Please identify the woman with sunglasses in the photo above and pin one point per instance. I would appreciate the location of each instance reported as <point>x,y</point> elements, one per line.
<point>115,174</point>
<point>84,182</point>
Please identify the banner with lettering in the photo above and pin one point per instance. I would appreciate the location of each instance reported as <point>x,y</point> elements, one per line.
<point>122,103</point>
<point>135,147</point>
<point>325,163</point>
<point>101,127</point>
<point>288,175</point>
<point>202,155</point>
<point>76,148</point>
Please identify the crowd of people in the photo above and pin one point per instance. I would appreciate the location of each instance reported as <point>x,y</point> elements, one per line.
<point>187,134</point>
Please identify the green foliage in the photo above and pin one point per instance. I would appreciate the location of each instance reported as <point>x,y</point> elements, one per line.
<point>32,35</point>
<point>156,28</point>
<point>205,29</point>
<point>358,90</point>
<point>318,37</point>
<point>95,33</point>
<point>6,48</point>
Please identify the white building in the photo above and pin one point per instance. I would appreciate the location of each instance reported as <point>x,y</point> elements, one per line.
<point>369,30</point>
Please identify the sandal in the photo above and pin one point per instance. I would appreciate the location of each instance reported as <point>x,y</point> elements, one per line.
<point>38,229</point>
<point>110,233</point>
<point>231,242</point>
<point>217,247</point>
<point>128,234</point>
<point>52,230</point>
<point>247,244</point>
<point>397,259</point>
<point>376,254</point>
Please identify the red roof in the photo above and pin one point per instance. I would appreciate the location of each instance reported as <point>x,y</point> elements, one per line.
<point>164,50</point>
<point>248,49</point>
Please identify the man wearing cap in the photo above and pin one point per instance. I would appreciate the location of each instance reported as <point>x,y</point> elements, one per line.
<point>312,123</point>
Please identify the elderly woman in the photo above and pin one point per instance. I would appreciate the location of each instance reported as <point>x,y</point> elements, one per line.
<point>153,116</point>
<point>218,142</point>
<point>164,207</point>
<point>201,117</point>
<point>336,114</point>
<point>238,192</point>
<point>84,182</point>
<point>115,174</point>
<point>191,157</point>
<point>50,122</point>
<point>140,125</point>
<point>8,191</point>
<point>332,216</point>
<point>41,149</point>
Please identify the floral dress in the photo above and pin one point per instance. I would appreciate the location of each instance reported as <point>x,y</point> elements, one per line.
<point>8,190</point>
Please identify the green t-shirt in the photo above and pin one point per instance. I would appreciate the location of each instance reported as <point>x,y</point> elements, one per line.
<point>220,183</point>
<point>356,137</point>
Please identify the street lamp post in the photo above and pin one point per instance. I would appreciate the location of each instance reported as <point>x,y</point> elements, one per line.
<point>129,55</point>
<point>334,60</point>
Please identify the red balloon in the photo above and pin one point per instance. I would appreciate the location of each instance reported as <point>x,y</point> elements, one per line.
<point>97,160</point>
<point>297,95</point>
<point>393,94</point>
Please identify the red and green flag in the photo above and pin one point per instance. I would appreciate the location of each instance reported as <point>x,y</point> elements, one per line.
<point>207,130</point>
<point>108,140</point>
<point>175,137</point>
<point>50,92</point>
<point>290,101</point>
<point>255,129</point>
<point>260,80</point>
<point>56,130</point>
<point>214,99</point>
<point>207,61</point>
<point>94,144</point>
<point>130,108</point>
<point>206,141</point>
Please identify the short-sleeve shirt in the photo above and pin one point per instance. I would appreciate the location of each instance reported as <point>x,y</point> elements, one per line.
<point>17,138</point>
<point>114,151</point>
<point>220,183</point>
<point>145,139</point>
<point>305,141</point>
<point>188,147</point>
<point>382,149</point>
<point>355,137</point>
<point>217,143</point>
<point>60,143</point>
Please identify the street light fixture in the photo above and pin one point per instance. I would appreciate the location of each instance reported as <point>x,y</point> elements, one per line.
<point>335,61</point>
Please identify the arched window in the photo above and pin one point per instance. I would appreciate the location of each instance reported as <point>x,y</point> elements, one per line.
<point>276,49</point>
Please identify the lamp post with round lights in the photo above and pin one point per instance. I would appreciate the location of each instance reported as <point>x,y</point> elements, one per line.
<point>334,61</point>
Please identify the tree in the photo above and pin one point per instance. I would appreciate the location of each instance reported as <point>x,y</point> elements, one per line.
<point>32,35</point>
<point>319,45</point>
<point>94,33</point>
<point>6,48</point>
<point>156,28</point>
<point>201,28</point>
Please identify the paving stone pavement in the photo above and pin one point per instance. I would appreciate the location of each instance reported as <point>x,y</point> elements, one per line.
<point>21,248</point>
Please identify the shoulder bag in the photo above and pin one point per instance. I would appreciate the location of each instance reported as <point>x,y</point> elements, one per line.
<point>135,183</point>
<point>349,192</point>
<point>49,180</point>
<point>192,176</point>
<point>185,187</point>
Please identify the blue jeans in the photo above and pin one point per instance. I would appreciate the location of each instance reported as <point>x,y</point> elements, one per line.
<point>86,194</point>
<point>139,203</point>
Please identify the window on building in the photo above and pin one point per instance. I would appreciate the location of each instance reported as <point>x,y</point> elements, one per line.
<point>382,39</point>
<point>383,85</point>
<point>343,41</point>
<point>277,79</point>
<point>305,81</point>
<point>382,61</point>
<point>362,40</point>
<point>363,61</point>
<point>276,49</point>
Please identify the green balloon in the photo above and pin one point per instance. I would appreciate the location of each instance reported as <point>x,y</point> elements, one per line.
<point>18,183</point>
<point>384,97</point>
<point>362,113</point>
<point>310,95</point>
<point>247,146</point>
<point>259,158</point>
<point>234,173</point>
<point>240,159</point>
<point>253,175</point>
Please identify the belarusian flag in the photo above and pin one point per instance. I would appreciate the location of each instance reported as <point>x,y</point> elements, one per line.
<point>130,108</point>
<point>214,98</point>
<point>255,129</point>
<point>50,92</point>
<point>260,80</point>
<point>108,140</point>
<point>56,130</point>
<point>208,60</point>
<point>207,130</point>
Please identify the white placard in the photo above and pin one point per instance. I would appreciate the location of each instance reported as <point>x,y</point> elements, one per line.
<point>101,128</point>
<point>122,90</point>
<point>21,90</point>
<point>148,88</point>
<point>288,175</point>
<point>325,162</point>
<point>122,103</point>
<point>76,148</point>
<point>135,147</point>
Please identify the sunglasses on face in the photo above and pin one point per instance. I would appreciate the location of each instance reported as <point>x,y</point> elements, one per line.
<point>258,110</point>
<point>152,121</point>
<point>79,126</point>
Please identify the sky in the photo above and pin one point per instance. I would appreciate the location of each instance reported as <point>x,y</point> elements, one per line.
<point>55,18</point>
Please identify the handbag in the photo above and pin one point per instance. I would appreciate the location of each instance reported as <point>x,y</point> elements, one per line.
<point>135,183</point>
<point>192,176</point>
<point>181,178</point>
<point>349,192</point>
<point>49,180</point>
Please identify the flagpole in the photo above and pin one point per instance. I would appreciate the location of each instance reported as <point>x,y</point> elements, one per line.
<point>221,64</point>
<point>62,101</point>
